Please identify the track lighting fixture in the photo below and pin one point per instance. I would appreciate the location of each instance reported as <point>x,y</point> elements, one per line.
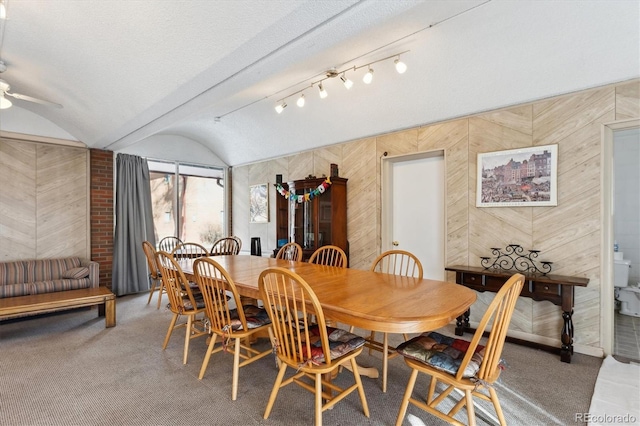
<point>347,83</point>
<point>281,107</point>
<point>333,73</point>
<point>368,77</point>
<point>401,67</point>
<point>323,93</point>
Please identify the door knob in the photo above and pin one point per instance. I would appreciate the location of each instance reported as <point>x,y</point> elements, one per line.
<point>395,243</point>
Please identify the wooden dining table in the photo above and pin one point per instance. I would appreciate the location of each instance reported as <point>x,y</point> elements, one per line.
<point>365,299</point>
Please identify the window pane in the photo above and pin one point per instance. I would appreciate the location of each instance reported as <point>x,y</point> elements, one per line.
<point>202,216</point>
<point>162,200</point>
<point>199,212</point>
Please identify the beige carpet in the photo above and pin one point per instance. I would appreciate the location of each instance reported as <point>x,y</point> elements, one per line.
<point>67,369</point>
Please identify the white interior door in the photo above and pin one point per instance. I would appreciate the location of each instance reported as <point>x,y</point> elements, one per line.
<point>416,195</point>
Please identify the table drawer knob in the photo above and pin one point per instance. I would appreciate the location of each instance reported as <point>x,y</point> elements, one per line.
<point>546,287</point>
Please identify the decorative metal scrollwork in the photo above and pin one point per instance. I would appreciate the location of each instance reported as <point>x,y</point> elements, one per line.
<point>515,258</point>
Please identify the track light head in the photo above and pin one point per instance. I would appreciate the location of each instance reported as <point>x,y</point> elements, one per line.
<point>323,93</point>
<point>347,83</point>
<point>281,107</point>
<point>300,101</point>
<point>4,102</point>
<point>401,67</point>
<point>368,77</point>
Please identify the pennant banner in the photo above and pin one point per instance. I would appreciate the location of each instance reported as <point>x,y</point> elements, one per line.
<point>307,196</point>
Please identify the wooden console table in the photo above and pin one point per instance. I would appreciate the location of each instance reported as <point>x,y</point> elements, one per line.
<point>556,289</point>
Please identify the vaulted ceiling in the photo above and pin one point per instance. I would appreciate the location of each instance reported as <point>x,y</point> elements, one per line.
<point>175,79</point>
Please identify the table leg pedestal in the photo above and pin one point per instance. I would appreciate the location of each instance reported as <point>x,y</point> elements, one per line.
<point>566,337</point>
<point>462,323</point>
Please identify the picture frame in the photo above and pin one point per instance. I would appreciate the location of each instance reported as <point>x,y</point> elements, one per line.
<point>259,203</point>
<point>518,177</point>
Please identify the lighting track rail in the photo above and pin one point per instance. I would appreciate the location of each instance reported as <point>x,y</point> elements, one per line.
<point>400,66</point>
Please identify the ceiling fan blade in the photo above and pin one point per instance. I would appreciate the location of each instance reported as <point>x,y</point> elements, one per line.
<point>31,99</point>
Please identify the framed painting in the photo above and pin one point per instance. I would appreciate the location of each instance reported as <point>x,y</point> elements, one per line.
<point>518,177</point>
<point>259,203</point>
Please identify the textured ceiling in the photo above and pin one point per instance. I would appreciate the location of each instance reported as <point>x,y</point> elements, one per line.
<point>175,79</point>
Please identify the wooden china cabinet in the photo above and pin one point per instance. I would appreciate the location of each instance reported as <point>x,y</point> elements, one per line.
<point>315,223</point>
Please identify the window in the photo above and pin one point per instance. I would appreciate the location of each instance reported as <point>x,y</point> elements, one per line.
<point>188,202</point>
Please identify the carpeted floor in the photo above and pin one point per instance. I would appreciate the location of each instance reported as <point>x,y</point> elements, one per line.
<point>67,369</point>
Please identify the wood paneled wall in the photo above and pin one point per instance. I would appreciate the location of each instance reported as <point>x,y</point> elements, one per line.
<point>44,208</point>
<point>569,234</point>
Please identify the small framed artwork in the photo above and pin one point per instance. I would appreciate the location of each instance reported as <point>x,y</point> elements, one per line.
<point>259,203</point>
<point>518,177</point>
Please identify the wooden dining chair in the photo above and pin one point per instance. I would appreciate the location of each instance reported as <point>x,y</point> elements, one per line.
<point>189,250</point>
<point>182,302</point>
<point>239,242</point>
<point>290,251</point>
<point>459,364</point>
<point>155,279</point>
<point>394,262</point>
<point>226,245</point>
<point>311,350</point>
<point>232,325</point>
<point>330,256</point>
<point>169,243</point>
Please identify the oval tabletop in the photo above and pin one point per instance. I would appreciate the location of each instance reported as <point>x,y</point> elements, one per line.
<point>365,299</point>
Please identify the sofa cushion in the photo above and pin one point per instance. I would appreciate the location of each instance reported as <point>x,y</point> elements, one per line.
<point>76,273</point>
<point>49,269</point>
<point>12,273</point>
<point>50,286</point>
<point>442,352</point>
<point>12,290</point>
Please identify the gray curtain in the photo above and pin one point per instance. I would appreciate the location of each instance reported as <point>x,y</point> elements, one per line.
<point>134,224</point>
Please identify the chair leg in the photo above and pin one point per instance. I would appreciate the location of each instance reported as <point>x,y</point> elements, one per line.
<point>318,404</point>
<point>207,356</point>
<point>407,395</point>
<point>371,337</point>
<point>160,291</point>
<point>385,360</point>
<point>187,338</point>
<point>496,405</point>
<point>356,375</point>
<point>470,410</point>
<point>172,325</point>
<point>236,368</point>
<point>276,388</point>
<point>151,290</point>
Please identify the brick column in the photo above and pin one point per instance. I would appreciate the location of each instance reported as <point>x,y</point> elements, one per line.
<point>102,212</point>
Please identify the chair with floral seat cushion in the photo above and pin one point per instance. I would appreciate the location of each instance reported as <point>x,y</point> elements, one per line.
<point>462,365</point>
<point>330,256</point>
<point>182,302</point>
<point>232,325</point>
<point>290,251</point>
<point>394,262</point>
<point>311,350</point>
<point>225,246</point>
<point>154,272</point>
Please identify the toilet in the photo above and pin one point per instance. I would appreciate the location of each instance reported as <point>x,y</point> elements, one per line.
<point>628,296</point>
